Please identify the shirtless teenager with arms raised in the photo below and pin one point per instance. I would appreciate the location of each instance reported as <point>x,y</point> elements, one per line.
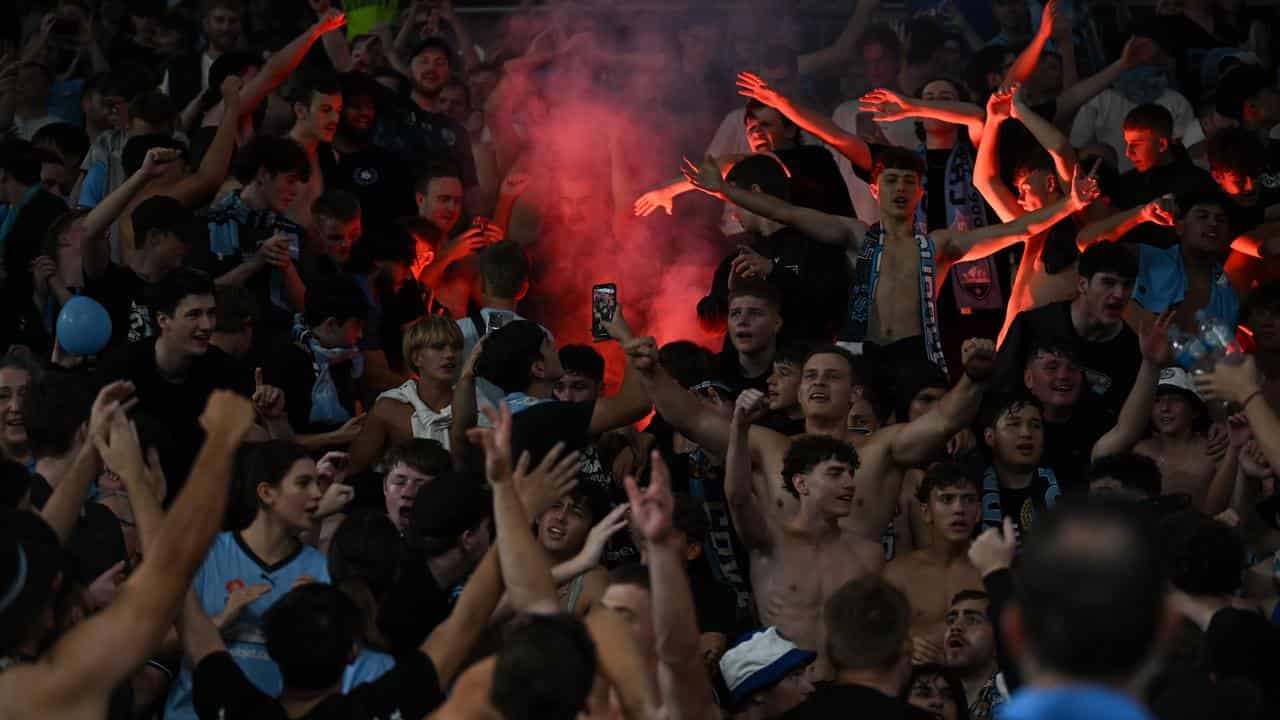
<point>826,396</point>
<point>889,260</point>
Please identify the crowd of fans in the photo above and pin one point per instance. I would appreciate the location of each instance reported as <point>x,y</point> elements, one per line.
<point>301,416</point>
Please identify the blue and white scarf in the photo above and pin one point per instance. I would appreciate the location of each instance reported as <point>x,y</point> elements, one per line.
<point>326,406</point>
<point>992,511</point>
<point>225,220</point>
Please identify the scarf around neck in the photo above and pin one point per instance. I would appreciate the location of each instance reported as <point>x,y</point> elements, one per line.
<point>326,406</point>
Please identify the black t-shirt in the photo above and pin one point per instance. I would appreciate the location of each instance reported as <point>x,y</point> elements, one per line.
<point>816,181</point>
<point>411,689</point>
<point>1068,445</point>
<point>124,296</point>
<point>729,371</point>
<point>290,368</point>
<point>97,542</point>
<point>414,605</point>
<point>1109,367</point>
<point>836,701</point>
<point>538,428</point>
<point>174,406</point>
<point>380,179</point>
<point>1134,188</point>
<point>418,137</point>
<point>1023,505</point>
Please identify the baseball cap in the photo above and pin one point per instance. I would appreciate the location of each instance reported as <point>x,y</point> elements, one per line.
<point>759,661</point>
<point>164,214</point>
<point>449,506</point>
<point>1176,380</point>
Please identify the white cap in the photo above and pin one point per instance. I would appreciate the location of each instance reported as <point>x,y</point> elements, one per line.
<point>760,661</point>
<point>1177,379</point>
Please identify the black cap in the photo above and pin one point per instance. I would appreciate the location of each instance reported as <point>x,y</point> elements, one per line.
<point>449,506</point>
<point>164,214</point>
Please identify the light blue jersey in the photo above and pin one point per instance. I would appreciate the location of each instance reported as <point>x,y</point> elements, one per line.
<point>369,665</point>
<point>231,564</point>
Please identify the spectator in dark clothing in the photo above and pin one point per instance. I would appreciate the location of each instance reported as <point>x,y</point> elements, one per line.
<point>29,210</point>
<point>174,372</point>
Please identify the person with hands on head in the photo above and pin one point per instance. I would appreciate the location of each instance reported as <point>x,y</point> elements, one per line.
<point>903,260</point>
<point>76,676</point>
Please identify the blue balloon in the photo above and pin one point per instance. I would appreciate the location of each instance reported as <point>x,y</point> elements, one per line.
<point>84,327</point>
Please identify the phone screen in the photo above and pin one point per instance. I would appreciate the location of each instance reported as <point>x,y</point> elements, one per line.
<point>604,303</point>
<point>498,319</point>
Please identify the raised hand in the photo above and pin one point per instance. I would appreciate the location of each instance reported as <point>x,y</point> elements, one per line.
<point>43,269</point>
<point>230,88</point>
<point>652,508</point>
<point>643,353</point>
<point>705,177</point>
<point>228,415</point>
<point>1160,211</point>
<point>275,251</point>
<point>102,591</point>
<point>267,399</point>
<point>332,19</point>
<point>336,497</point>
<point>1231,381</point>
<point>515,183</point>
<point>750,406</point>
<point>1084,188</point>
<point>496,442</point>
<point>978,355</point>
<point>999,105</point>
<point>651,201</point>
<point>886,105</point>
<point>609,525</point>
<point>1154,340</point>
<point>116,397</point>
<point>551,480</point>
<point>755,87</point>
<point>616,326</point>
<point>333,468</point>
<point>750,264</point>
<point>120,448</point>
<point>1138,51</point>
<point>158,161</point>
<point>994,548</point>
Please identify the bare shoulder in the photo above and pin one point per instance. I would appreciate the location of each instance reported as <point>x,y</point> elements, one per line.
<point>769,445</point>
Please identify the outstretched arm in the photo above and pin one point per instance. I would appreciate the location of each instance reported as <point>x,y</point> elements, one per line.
<point>678,406</point>
<point>196,189</point>
<point>1114,227</point>
<point>808,119</point>
<point>888,106</point>
<point>97,252</point>
<point>1262,242</point>
<point>1137,51</point>
<point>631,403</point>
<point>1025,64</point>
<point>839,51</point>
<point>284,61</point>
<point>1135,415</point>
<point>920,440</point>
<point>959,246</point>
<point>86,664</point>
<point>825,228</point>
<point>682,678</point>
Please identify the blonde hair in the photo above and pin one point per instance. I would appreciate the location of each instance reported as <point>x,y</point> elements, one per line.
<point>425,331</point>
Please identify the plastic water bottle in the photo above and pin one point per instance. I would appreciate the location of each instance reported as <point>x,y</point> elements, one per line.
<point>1188,350</point>
<point>1219,339</point>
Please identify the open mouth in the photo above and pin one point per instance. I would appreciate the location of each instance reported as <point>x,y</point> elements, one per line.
<point>555,533</point>
<point>818,396</point>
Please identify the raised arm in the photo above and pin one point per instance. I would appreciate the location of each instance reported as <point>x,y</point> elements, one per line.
<point>1239,383</point>
<point>1112,228</point>
<point>920,440</point>
<point>526,567</point>
<point>622,663</point>
<point>97,252</point>
<point>1135,414</point>
<point>200,635</point>
<point>465,414</point>
<point>839,51</point>
<point>986,167</point>
<point>678,406</point>
<point>1137,51</point>
<point>335,43</point>
<point>284,61</point>
<point>86,664</point>
<point>746,507</point>
<point>452,640</point>
<point>808,119</point>
<point>116,440</point>
<point>1025,64</point>
<point>1045,133</point>
<point>196,189</point>
<point>887,106</point>
<point>631,403</point>
<point>70,491</point>
<point>830,229</point>
<point>958,246</point>
<point>682,678</point>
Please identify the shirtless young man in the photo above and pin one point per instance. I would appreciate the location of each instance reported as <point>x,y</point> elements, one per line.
<point>1048,259</point>
<point>826,396</point>
<point>896,273</point>
<point>932,576</point>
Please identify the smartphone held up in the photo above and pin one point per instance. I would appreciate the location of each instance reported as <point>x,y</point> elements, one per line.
<point>604,305</point>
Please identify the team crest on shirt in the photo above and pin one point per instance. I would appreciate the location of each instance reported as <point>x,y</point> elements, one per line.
<point>365,176</point>
<point>448,136</point>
